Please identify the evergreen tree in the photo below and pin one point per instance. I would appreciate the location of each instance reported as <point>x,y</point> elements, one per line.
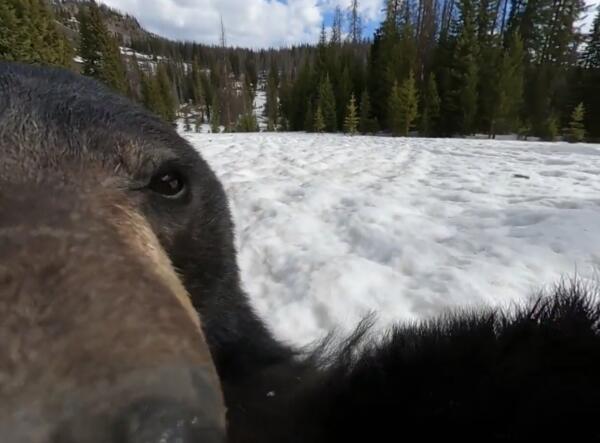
<point>431,107</point>
<point>28,33</point>
<point>309,118</point>
<point>549,129</point>
<point>383,63</point>
<point>351,120</point>
<point>344,91</point>
<point>151,96</point>
<point>465,70</point>
<point>409,102</point>
<point>215,116</point>
<point>395,119</point>
<point>590,94</point>
<point>403,106</point>
<point>591,55</point>
<point>272,104</point>
<point>367,123</point>
<point>247,123</point>
<point>319,121</point>
<point>165,88</point>
<point>10,47</point>
<point>327,105</point>
<point>197,89</point>
<point>576,131</point>
<point>509,98</point>
<point>99,50</point>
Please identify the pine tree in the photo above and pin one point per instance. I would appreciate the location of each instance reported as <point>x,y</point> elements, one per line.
<point>151,95</point>
<point>591,55</point>
<point>366,124</point>
<point>431,107</point>
<point>9,45</point>
<point>395,120</point>
<point>99,50</point>
<point>165,88</point>
<point>28,33</point>
<point>509,97</point>
<point>383,63</point>
<point>460,100</point>
<point>351,120</point>
<point>319,121</point>
<point>272,104</point>
<point>576,131</point>
<point>327,104</point>
<point>215,116</point>
<point>197,89</point>
<point>344,91</point>
<point>247,123</point>
<point>590,93</point>
<point>403,106</point>
<point>309,118</point>
<point>549,129</point>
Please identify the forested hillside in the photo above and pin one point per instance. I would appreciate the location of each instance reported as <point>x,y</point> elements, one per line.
<point>433,67</point>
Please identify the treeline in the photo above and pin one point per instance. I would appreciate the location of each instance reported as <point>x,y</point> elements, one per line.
<point>457,68</point>
<point>434,67</point>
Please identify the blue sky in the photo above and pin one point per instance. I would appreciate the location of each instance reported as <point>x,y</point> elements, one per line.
<point>248,23</point>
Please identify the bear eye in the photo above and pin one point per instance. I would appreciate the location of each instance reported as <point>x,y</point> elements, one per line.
<point>170,184</point>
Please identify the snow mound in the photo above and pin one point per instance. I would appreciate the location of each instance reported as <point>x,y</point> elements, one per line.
<point>330,228</point>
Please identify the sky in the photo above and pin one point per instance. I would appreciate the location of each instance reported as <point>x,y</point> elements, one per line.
<point>249,23</point>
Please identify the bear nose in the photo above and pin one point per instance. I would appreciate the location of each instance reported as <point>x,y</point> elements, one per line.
<point>166,421</point>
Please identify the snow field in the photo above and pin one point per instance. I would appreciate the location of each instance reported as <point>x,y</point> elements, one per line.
<point>330,227</point>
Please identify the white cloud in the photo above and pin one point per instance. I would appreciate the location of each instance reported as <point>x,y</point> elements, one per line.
<point>250,23</point>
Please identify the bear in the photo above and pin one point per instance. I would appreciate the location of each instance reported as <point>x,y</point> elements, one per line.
<point>123,317</point>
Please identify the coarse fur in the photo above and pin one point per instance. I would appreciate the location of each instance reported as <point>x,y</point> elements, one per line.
<point>531,374</point>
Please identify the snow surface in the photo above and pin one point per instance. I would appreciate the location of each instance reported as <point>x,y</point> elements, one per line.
<point>260,102</point>
<point>331,227</point>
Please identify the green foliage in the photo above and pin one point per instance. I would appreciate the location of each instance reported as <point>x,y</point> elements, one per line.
<point>151,94</point>
<point>247,123</point>
<point>28,33</point>
<point>215,116</point>
<point>576,130</point>
<point>309,118</point>
<point>99,50</point>
<point>319,121</point>
<point>272,104</point>
<point>464,75</point>
<point>367,124</point>
<point>165,88</point>
<point>351,120</point>
<point>549,129</point>
<point>509,96</point>
<point>403,106</point>
<point>479,66</point>
<point>591,55</point>
<point>431,107</point>
<point>327,105</point>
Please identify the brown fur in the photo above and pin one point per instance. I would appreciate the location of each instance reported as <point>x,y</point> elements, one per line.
<point>94,317</point>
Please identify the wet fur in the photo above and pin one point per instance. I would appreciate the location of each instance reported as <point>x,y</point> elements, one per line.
<point>529,375</point>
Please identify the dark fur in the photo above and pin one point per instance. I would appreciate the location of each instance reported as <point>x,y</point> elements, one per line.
<point>488,377</point>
